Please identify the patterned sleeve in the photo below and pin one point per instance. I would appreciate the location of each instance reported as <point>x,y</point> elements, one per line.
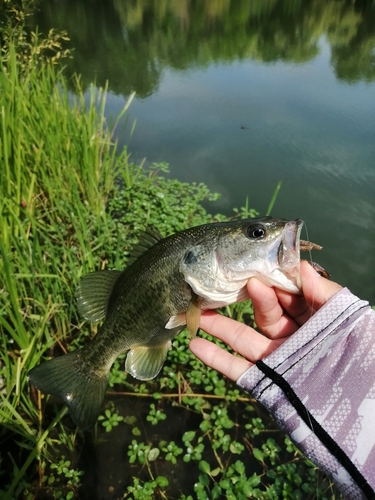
<point>320,387</point>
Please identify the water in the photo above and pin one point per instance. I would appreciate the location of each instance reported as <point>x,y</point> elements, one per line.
<point>241,95</point>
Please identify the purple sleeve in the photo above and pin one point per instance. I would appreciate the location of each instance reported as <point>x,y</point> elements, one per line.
<point>320,387</point>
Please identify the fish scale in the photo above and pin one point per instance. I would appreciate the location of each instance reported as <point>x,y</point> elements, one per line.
<point>167,284</point>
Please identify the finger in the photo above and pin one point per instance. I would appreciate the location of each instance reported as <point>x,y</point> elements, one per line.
<point>269,314</point>
<point>295,307</point>
<point>241,338</point>
<point>316,289</point>
<point>279,313</point>
<point>217,358</point>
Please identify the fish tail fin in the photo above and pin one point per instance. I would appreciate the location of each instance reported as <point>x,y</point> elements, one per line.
<point>73,380</point>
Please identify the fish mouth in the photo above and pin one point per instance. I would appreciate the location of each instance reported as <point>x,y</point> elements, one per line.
<point>290,246</point>
<point>289,250</point>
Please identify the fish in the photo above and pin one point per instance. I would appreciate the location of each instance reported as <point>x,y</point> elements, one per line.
<point>166,285</point>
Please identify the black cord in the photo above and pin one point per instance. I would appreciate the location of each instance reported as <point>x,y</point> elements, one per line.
<point>318,430</point>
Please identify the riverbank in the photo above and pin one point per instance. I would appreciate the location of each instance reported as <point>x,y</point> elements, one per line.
<point>71,202</point>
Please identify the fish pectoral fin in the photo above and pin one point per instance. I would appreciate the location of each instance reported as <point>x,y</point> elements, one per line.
<point>144,363</point>
<point>193,315</point>
<point>93,294</point>
<point>191,318</point>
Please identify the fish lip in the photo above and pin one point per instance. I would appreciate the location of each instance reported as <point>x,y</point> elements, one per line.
<point>289,249</point>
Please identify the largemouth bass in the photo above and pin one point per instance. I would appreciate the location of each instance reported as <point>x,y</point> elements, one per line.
<point>165,287</point>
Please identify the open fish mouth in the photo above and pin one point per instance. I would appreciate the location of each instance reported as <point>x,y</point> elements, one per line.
<point>290,245</point>
<point>289,251</point>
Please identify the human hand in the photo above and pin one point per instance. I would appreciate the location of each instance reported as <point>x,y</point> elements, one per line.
<point>278,315</point>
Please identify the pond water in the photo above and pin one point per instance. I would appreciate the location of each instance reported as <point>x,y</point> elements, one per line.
<point>243,94</point>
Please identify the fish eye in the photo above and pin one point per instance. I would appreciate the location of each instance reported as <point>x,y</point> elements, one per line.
<point>256,232</point>
<point>190,257</point>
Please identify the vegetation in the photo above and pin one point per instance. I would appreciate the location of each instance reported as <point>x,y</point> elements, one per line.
<point>70,202</point>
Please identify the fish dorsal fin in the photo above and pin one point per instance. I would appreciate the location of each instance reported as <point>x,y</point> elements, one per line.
<point>147,239</point>
<point>144,363</point>
<point>93,294</point>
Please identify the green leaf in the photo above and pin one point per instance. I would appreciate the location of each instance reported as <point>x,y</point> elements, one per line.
<point>204,466</point>
<point>216,492</point>
<point>205,425</point>
<point>153,454</point>
<point>254,480</point>
<point>188,436</point>
<point>225,484</point>
<point>236,448</point>
<point>239,467</point>
<point>215,472</point>
<point>162,481</point>
<point>204,479</point>
<point>131,419</point>
<point>258,454</point>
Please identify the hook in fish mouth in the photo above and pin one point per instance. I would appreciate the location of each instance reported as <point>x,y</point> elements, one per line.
<point>307,246</point>
<point>291,245</point>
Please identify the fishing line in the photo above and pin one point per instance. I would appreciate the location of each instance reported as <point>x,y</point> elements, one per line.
<point>312,310</point>
<point>310,422</point>
<point>308,239</point>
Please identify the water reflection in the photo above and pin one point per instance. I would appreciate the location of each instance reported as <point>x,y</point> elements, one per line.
<point>129,43</point>
<point>241,94</point>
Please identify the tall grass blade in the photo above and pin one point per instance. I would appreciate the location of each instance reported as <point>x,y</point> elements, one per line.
<point>273,199</point>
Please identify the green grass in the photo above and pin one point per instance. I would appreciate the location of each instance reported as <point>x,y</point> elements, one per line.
<point>57,173</point>
<point>63,214</point>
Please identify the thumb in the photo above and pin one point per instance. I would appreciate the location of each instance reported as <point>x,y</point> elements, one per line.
<point>316,289</point>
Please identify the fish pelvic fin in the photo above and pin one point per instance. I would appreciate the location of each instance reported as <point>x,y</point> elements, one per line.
<point>93,293</point>
<point>176,321</point>
<point>77,384</point>
<point>193,315</point>
<point>144,363</point>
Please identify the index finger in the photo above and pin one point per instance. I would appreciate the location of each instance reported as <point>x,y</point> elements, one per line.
<point>279,313</point>
<point>269,313</point>
<point>241,338</point>
<point>217,358</point>
<point>316,292</point>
